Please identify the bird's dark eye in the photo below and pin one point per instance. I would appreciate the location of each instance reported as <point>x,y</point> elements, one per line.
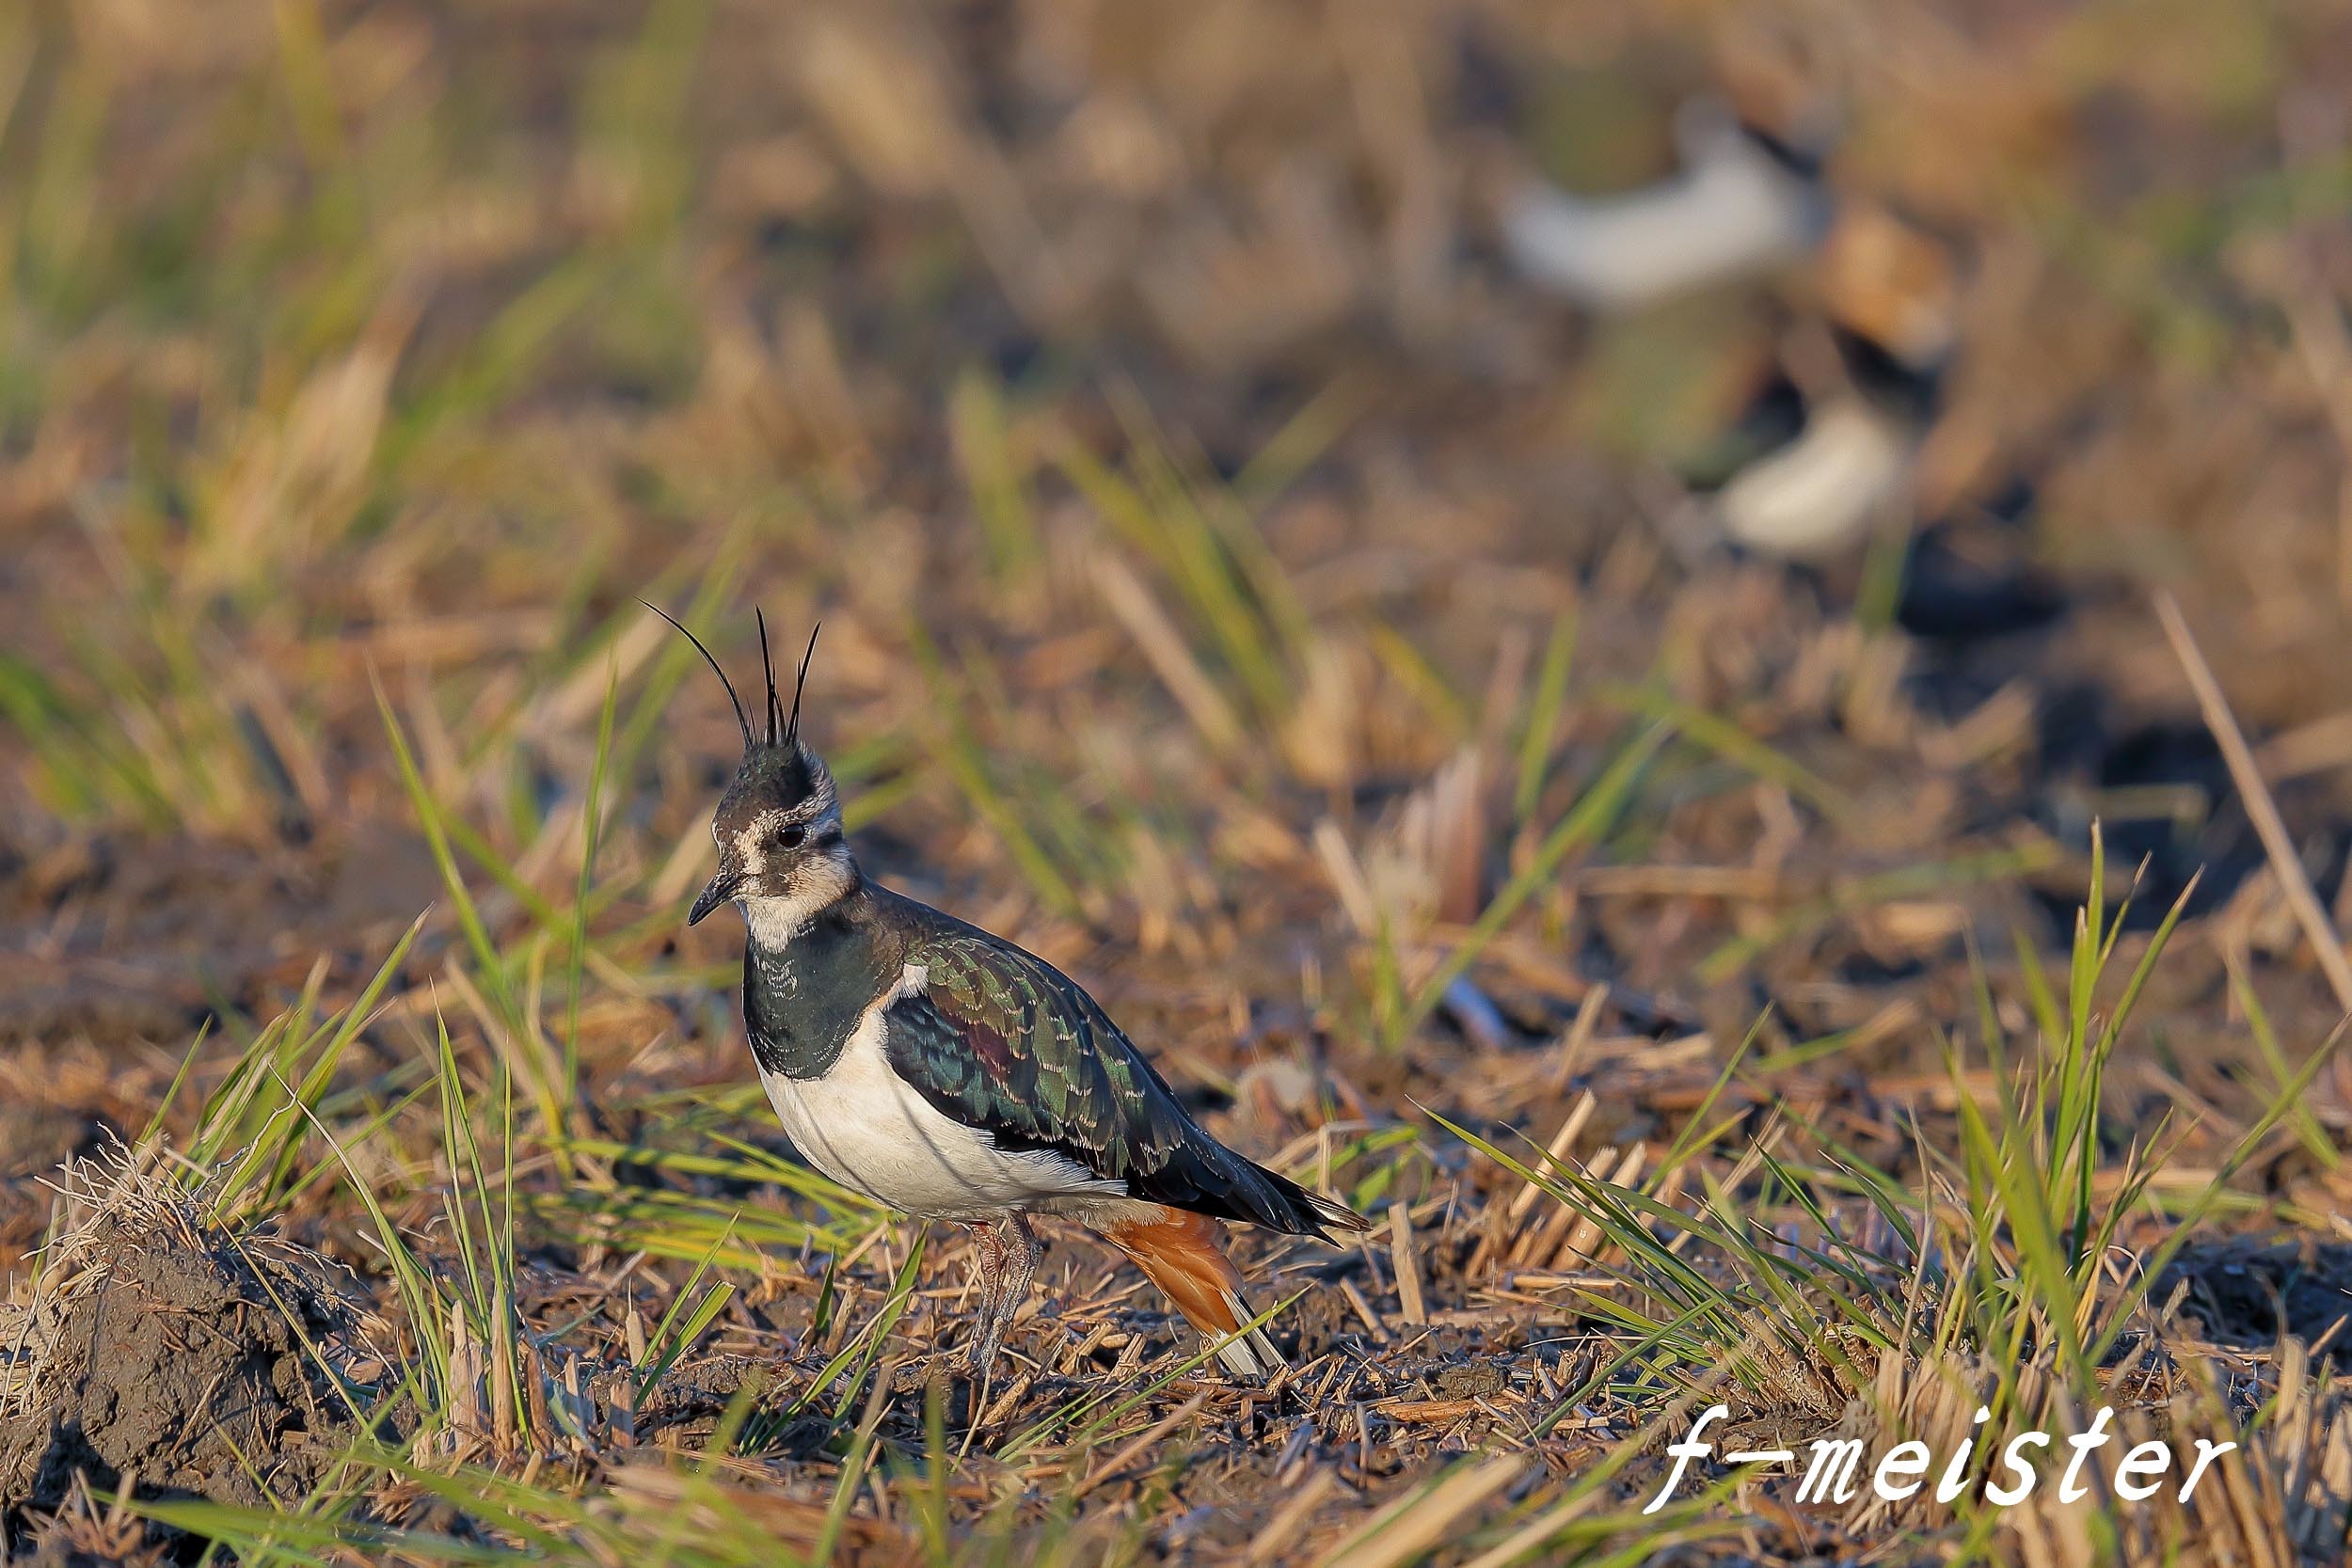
<point>790,837</point>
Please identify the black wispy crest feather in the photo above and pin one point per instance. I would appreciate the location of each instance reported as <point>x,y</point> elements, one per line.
<point>775,708</point>
<point>793,730</point>
<point>741,722</point>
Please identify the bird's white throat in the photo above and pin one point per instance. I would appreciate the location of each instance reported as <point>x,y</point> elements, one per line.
<point>776,920</point>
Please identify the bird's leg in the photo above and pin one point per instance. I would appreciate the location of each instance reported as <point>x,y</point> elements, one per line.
<point>988,1273</point>
<point>1021,1253</point>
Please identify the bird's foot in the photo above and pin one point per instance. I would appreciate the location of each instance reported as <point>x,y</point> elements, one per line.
<point>1019,1269</point>
<point>988,1276</point>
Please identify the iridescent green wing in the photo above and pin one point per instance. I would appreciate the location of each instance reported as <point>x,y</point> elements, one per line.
<point>1003,1041</point>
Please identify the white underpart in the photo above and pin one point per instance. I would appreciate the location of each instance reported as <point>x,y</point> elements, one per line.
<point>871,1130</point>
<point>1820,493</point>
<point>1250,1352</point>
<point>1732,210</point>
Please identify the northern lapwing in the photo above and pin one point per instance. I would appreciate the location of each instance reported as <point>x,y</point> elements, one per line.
<point>948,1074</point>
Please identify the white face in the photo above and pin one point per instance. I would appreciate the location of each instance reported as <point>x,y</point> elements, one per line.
<point>782,857</point>
<point>794,864</point>
<point>817,884</point>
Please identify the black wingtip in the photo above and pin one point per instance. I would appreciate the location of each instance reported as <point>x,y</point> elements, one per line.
<point>1209,1178</point>
<point>793,730</point>
<point>741,722</point>
<point>1330,1212</point>
<point>1314,1215</point>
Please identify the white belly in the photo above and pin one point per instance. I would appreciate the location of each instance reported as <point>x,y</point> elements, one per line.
<point>871,1130</point>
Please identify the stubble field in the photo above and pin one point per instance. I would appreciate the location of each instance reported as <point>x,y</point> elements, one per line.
<point>1855,991</point>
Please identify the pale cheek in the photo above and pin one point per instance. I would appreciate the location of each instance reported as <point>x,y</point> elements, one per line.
<point>749,852</point>
<point>820,873</point>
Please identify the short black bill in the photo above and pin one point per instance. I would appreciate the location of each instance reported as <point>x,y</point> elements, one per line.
<point>720,890</point>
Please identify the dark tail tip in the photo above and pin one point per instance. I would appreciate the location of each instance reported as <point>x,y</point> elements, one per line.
<point>1314,1215</point>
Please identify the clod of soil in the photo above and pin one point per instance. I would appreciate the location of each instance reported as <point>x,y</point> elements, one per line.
<point>2250,1293</point>
<point>158,1345</point>
<point>1470,1380</point>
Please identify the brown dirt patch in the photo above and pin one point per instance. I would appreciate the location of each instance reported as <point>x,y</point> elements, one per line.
<point>2249,1293</point>
<point>162,1348</point>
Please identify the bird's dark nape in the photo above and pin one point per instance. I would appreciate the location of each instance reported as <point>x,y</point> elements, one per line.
<point>793,730</point>
<point>741,722</point>
<point>775,708</point>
